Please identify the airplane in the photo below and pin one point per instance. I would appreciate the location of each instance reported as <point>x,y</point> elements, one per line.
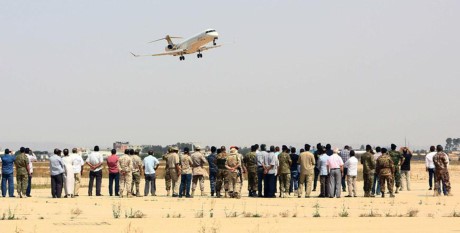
<point>194,44</point>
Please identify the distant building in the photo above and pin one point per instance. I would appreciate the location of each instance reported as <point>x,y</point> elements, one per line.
<point>121,146</point>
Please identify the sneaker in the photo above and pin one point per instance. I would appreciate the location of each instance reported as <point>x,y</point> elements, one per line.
<point>348,196</point>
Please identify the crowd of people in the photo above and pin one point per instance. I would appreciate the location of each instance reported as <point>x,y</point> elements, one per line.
<point>266,168</point>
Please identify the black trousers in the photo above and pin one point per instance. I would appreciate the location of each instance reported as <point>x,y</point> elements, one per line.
<point>56,185</point>
<point>92,176</point>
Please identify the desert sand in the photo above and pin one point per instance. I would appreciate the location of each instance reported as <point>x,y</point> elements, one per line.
<point>41,213</point>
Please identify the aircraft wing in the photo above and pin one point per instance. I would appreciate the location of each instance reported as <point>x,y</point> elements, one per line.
<point>172,53</point>
<point>204,48</point>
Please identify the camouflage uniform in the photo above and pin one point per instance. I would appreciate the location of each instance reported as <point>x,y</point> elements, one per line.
<point>233,161</point>
<point>198,171</point>
<point>221,173</point>
<point>240,172</point>
<point>367,160</point>
<point>250,161</point>
<point>21,163</point>
<point>125,166</point>
<point>137,163</point>
<point>441,161</point>
<point>397,158</point>
<point>385,169</point>
<point>284,172</point>
<point>167,174</point>
<point>173,159</point>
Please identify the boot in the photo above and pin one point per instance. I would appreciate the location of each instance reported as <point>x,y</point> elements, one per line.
<point>218,195</point>
<point>397,188</point>
<point>138,194</point>
<point>366,194</point>
<point>168,193</point>
<point>226,194</point>
<point>130,195</point>
<point>370,195</point>
<point>383,194</point>
<point>203,194</point>
<point>392,195</point>
<point>212,194</point>
<point>285,194</point>
<point>193,193</point>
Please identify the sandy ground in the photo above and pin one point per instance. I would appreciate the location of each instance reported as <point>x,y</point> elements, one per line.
<point>205,214</point>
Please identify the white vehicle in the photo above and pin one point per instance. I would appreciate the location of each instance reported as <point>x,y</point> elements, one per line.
<point>194,44</point>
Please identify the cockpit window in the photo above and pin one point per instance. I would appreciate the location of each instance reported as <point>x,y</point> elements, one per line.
<point>208,31</point>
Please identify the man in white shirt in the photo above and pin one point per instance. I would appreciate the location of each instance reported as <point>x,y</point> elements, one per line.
<point>335,168</point>
<point>150,166</point>
<point>95,161</point>
<point>270,171</point>
<point>77,163</point>
<point>32,158</point>
<point>323,173</point>
<point>260,168</point>
<point>430,166</point>
<point>352,172</point>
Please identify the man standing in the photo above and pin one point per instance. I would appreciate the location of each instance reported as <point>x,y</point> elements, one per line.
<point>323,172</point>
<point>335,167</point>
<point>232,164</point>
<point>345,155</point>
<point>294,172</point>
<point>150,166</point>
<point>367,160</point>
<point>260,168</point>
<point>7,171</point>
<point>174,169</point>
<point>376,182</point>
<point>69,179</point>
<point>284,171</point>
<point>270,171</point>
<point>22,172</point>
<point>430,166</point>
<point>56,172</point>
<point>307,164</point>
<point>405,169</point>
<point>125,167</point>
<point>114,174</point>
<point>212,169</point>
<point>186,174</point>
<point>198,170</point>
<point>398,159</point>
<point>137,171</point>
<point>250,161</point>
<point>32,158</point>
<point>221,160</point>
<point>317,154</point>
<point>94,161</point>
<point>77,163</point>
<point>352,173</point>
<point>167,174</point>
<point>386,169</point>
<point>441,161</point>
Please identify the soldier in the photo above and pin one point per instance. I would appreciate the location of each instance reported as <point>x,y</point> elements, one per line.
<point>212,169</point>
<point>250,161</point>
<point>232,164</point>
<point>22,172</point>
<point>167,174</point>
<point>125,166</point>
<point>221,172</point>
<point>284,171</point>
<point>198,170</point>
<point>398,159</point>
<point>307,164</point>
<point>174,170</point>
<point>186,174</point>
<point>386,170</point>
<point>367,160</point>
<point>137,171</point>
<point>441,161</point>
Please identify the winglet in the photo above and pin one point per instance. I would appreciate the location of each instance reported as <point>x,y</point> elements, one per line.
<point>134,55</point>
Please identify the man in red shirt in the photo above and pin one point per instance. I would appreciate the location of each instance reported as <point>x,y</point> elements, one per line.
<point>114,174</point>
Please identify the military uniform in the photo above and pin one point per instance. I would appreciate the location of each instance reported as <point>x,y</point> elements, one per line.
<point>441,161</point>
<point>250,161</point>
<point>212,172</point>
<point>397,158</point>
<point>137,163</point>
<point>284,172</point>
<point>198,171</point>
<point>186,175</point>
<point>233,162</point>
<point>173,159</point>
<point>385,169</point>
<point>21,163</point>
<point>167,174</point>
<point>221,173</point>
<point>125,166</point>
<point>367,160</point>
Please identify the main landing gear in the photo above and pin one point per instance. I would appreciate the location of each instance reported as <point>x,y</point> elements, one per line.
<point>181,58</point>
<point>199,55</point>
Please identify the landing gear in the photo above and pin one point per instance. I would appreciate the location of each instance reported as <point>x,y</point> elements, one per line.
<point>199,55</point>
<point>214,42</point>
<point>181,58</point>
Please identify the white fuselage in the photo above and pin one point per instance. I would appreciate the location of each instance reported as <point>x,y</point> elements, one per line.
<point>194,43</point>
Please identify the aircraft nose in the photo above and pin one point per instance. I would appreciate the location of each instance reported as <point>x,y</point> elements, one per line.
<point>214,34</point>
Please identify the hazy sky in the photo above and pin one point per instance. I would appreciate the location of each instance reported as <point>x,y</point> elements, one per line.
<point>345,72</point>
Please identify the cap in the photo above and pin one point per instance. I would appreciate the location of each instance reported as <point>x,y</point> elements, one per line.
<point>233,150</point>
<point>197,147</point>
<point>7,151</point>
<point>175,148</point>
<point>234,147</point>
